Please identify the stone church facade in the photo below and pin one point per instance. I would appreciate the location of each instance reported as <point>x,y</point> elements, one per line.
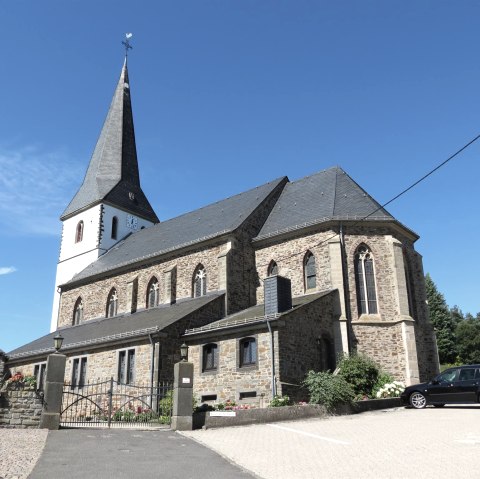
<point>262,286</point>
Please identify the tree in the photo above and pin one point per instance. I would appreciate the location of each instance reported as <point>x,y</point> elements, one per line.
<point>442,321</point>
<point>468,340</point>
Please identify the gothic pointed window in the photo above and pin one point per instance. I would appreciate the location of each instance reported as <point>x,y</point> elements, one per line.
<point>272,269</point>
<point>112,303</point>
<point>114,227</point>
<point>79,232</point>
<point>365,281</point>
<point>199,282</point>
<point>152,293</point>
<point>309,271</point>
<point>78,312</point>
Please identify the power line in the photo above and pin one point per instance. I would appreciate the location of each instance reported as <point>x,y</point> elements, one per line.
<point>424,177</point>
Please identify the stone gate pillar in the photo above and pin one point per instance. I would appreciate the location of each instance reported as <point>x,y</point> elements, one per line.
<point>53,391</point>
<point>182,397</point>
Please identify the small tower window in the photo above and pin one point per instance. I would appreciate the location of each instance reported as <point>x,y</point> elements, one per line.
<point>272,269</point>
<point>78,312</point>
<point>152,293</point>
<point>79,232</point>
<point>112,303</point>
<point>199,282</point>
<point>365,281</point>
<point>114,227</point>
<point>309,271</point>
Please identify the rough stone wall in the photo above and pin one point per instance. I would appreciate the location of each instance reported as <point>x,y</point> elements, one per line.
<point>95,295</point>
<point>20,408</point>
<point>229,380</point>
<point>383,343</point>
<point>292,266</point>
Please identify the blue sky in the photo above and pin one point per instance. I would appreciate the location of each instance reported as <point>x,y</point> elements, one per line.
<point>228,95</point>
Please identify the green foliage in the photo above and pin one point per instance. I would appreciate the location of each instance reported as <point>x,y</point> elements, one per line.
<point>383,378</point>
<point>443,322</point>
<point>329,390</point>
<point>360,372</point>
<point>468,341</point>
<point>279,401</point>
<point>165,406</point>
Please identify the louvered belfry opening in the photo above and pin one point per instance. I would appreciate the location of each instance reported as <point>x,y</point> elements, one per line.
<point>278,294</point>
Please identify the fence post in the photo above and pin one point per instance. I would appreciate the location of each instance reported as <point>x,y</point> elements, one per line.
<point>110,401</point>
<point>182,396</point>
<point>52,405</point>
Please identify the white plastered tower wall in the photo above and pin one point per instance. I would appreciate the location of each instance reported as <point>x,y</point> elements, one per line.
<point>97,238</point>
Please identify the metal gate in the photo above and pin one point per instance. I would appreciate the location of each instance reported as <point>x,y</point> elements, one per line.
<point>112,404</point>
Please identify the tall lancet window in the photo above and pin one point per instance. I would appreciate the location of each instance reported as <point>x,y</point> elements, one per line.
<point>272,268</point>
<point>152,293</point>
<point>365,281</point>
<point>309,271</point>
<point>199,282</point>
<point>78,312</point>
<point>79,232</point>
<point>112,303</point>
<point>114,227</point>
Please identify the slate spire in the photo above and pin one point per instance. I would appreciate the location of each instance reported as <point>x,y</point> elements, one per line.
<point>112,175</point>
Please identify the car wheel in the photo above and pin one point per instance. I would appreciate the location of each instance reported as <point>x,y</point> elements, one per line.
<point>438,405</point>
<point>418,400</point>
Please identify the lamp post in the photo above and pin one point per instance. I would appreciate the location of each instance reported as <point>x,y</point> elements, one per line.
<point>184,352</point>
<point>57,341</point>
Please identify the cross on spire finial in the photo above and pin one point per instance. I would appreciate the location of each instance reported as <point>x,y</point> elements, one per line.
<point>126,42</point>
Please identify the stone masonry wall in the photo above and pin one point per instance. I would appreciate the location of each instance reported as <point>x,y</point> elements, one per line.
<point>95,295</point>
<point>20,408</point>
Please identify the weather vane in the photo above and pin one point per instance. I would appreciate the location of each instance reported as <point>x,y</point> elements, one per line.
<point>126,42</point>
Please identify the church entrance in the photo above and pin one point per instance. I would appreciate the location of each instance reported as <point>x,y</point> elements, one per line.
<point>112,404</point>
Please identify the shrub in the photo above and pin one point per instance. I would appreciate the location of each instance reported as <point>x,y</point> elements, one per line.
<point>359,371</point>
<point>329,390</point>
<point>383,378</point>
<point>279,401</point>
<point>391,390</point>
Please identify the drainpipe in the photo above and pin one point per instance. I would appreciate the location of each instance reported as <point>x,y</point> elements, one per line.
<point>152,365</point>
<point>272,354</point>
<point>345,289</point>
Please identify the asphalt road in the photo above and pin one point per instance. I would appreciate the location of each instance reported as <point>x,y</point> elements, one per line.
<point>126,453</point>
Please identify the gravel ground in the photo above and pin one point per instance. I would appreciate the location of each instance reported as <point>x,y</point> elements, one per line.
<point>19,451</point>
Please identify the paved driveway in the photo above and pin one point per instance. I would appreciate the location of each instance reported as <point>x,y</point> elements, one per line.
<point>394,443</point>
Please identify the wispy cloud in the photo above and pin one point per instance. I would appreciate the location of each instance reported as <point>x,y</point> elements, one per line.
<point>7,270</point>
<point>35,188</point>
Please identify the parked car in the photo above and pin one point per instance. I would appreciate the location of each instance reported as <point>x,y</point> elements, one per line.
<point>454,385</point>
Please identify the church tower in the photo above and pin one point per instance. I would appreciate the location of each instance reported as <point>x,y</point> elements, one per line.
<point>110,203</point>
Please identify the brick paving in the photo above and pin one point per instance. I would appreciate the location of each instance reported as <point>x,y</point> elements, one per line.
<point>395,443</point>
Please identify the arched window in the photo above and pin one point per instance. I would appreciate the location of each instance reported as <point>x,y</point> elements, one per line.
<point>327,361</point>
<point>114,227</point>
<point>78,312</point>
<point>199,282</point>
<point>365,281</point>
<point>309,271</point>
<point>112,303</point>
<point>152,293</point>
<point>210,357</point>
<point>409,282</point>
<point>248,352</point>
<point>79,232</point>
<point>272,268</point>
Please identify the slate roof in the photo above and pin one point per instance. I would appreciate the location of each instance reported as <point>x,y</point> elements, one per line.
<point>106,330</point>
<point>112,175</point>
<point>208,222</point>
<point>328,195</point>
<point>255,314</point>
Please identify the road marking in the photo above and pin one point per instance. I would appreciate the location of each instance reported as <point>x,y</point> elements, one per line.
<point>329,439</point>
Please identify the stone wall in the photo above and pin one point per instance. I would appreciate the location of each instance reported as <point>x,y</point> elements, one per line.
<point>20,408</point>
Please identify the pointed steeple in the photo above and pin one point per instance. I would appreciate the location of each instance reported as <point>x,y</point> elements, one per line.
<point>112,175</point>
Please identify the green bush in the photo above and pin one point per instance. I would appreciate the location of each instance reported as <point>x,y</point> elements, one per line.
<point>361,372</point>
<point>279,401</point>
<point>329,390</point>
<point>383,378</point>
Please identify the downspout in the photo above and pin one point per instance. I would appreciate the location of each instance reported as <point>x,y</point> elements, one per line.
<point>346,296</point>
<point>152,366</point>
<point>272,355</point>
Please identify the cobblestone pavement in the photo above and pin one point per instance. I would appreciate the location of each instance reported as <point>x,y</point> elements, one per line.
<point>394,443</point>
<point>19,451</point>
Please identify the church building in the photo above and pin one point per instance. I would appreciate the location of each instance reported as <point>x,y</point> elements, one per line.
<point>262,286</point>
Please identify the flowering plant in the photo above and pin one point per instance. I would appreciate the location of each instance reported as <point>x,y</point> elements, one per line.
<point>391,390</point>
<point>19,380</point>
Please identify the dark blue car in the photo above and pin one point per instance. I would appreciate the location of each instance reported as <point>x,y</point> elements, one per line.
<point>455,385</point>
